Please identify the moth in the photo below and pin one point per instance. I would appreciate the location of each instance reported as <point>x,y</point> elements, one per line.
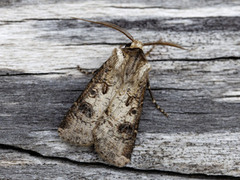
<point>106,115</point>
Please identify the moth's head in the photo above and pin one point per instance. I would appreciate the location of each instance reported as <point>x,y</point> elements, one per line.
<point>136,44</point>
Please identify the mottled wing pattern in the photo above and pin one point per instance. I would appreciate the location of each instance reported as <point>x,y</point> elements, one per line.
<point>116,130</point>
<point>107,113</point>
<point>82,117</point>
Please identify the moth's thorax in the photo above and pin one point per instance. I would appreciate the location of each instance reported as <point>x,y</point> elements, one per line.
<point>130,62</point>
<point>136,44</point>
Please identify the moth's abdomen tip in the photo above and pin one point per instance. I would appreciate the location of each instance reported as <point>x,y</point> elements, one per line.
<point>121,161</point>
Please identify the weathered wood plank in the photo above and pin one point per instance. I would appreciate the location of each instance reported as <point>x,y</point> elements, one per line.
<point>41,48</point>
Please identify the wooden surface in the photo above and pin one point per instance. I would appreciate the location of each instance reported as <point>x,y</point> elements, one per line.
<point>40,47</point>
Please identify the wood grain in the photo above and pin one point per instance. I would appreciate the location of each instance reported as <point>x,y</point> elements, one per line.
<point>199,88</point>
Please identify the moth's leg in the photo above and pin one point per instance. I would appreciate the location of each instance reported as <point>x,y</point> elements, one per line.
<point>149,51</point>
<point>84,71</point>
<point>154,101</point>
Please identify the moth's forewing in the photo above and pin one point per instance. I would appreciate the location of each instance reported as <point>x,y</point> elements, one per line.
<point>107,113</point>
<point>115,132</point>
<point>82,117</point>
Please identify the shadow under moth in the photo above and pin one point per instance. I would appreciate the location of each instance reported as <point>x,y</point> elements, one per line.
<point>106,115</point>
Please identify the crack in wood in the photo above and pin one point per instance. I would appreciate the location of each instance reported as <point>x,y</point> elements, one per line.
<point>30,74</point>
<point>97,44</point>
<point>149,171</point>
<point>226,58</point>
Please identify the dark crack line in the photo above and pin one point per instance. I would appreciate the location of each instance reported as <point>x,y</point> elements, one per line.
<point>102,165</point>
<point>227,58</point>
<point>30,74</point>
<point>229,96</point>
<point>70,68</point>
<point>33,19</point>
<point>175,89</point>
<point>148,7</point>
<point>97,44</point>
<point>185,113</point>
<point>196,113</point>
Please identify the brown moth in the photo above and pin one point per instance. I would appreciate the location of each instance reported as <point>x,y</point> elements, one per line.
<point>107,113</point>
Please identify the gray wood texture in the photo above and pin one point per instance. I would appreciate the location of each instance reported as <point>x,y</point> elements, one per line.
<point>40,47</point>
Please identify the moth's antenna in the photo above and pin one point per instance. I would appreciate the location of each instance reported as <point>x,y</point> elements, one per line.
<point>109,25</point>
<point>163,43</point>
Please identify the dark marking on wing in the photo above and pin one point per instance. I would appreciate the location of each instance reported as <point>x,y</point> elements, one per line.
<point>93,93</point>
<point>126,128</point>
<point>86,109</point>
<point>132,111</point>
<point>104,88</point>
<point>129,100</point>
